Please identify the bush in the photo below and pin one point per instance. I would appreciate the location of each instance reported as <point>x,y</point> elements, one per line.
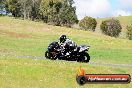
<point>129,32</point>
<point>111,27</point>
<point>88,23</point>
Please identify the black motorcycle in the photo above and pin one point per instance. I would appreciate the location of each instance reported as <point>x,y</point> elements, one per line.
<point>56,51</point>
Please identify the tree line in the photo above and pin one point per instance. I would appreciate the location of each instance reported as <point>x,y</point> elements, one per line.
<point>60,13</point>
<point>56,12</point>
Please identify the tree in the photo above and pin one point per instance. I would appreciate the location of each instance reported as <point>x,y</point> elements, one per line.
<point>1,6</point>
<point>13,6</point>
<point>27,9</point>
<point>129,32</point>
<point>35,4</point>
<point>88,23</point>
<point>58,12</point>
<point>68,13</point>
<point>30,8</point>
<point>111,27</point>
<point>44,10</point>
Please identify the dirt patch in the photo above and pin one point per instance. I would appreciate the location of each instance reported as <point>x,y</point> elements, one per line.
<point>14,34</point>
<point>39,30</point>
<point>3,50</point>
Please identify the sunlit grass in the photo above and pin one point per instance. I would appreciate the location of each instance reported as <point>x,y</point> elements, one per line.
<point>23,43</point>
<point>32,38</point>
<point>32,73</point>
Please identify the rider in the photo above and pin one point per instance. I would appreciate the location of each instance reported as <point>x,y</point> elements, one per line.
<point>68,44</point>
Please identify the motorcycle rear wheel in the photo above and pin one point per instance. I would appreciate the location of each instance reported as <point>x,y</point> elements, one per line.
<point>48,55</point>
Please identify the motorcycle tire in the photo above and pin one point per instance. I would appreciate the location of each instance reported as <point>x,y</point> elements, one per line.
<point>86,57</point>
<point>49,56</point>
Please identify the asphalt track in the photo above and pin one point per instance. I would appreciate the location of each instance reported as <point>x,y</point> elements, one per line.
<point>92,63</point>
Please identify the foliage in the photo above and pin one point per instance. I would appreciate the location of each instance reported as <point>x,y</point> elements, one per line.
<point>111,27</point>
<point>68,13</point>
<point>58,12</point>
<point>13,6</point>
<point>88,23</point>
<point>1,7</point>
<point>30,8</point>
<point>27,9</point>
<point>129,32</point>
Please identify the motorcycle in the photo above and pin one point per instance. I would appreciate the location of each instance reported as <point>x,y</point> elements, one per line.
<point>56,51</point>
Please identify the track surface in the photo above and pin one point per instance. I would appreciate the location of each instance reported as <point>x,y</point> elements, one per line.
<point>112,65</point>
<point>93,63</point>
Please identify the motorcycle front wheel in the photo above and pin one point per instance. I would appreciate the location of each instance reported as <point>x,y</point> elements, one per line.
<point>86,57</point>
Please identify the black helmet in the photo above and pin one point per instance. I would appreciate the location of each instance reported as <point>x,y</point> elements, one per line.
<point>62,38</point>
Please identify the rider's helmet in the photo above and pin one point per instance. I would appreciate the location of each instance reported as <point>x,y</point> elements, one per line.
<point>62,38</point>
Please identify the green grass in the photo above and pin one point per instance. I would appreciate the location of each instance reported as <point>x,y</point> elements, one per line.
<point>32,38</point>
<point>22,38</point>
<point>30,73</point>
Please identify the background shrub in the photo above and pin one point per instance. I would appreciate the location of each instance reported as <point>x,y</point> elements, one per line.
<point>129,32</point>
<point>111,27</point>
<point>88,23</point>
